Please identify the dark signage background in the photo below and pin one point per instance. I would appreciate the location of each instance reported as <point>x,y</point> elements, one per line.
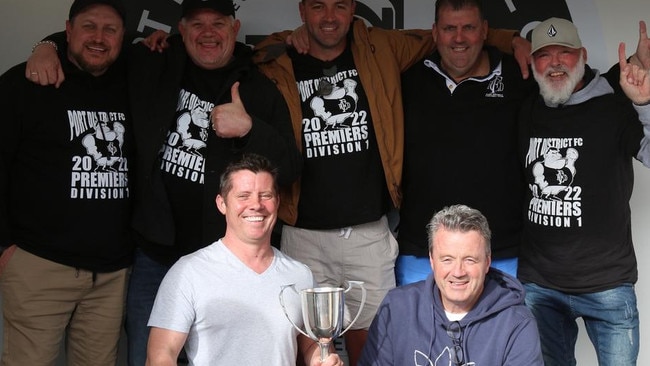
<point>145,16</point>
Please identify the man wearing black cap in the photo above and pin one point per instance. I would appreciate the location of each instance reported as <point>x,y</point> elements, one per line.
<point>198,105</point>
<point>65,201</point>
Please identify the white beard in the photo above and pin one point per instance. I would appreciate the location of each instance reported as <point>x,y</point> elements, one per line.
<point>555,93</point>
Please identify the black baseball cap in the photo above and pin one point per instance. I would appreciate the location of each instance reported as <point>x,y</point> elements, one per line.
<point>79,5</point>
<point>225,7</point>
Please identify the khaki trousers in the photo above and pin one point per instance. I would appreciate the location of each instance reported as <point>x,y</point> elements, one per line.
<point>44,302</point>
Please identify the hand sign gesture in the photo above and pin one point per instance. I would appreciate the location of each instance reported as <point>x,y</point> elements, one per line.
<point>633,79</point>
<point>230,120</point>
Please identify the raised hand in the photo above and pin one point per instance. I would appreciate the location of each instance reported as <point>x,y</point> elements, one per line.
<point>231,120</point>
<point>633,79</point>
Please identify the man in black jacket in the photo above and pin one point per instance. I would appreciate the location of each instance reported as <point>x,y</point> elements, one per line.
<point>65,198</point>
<point>198,105</point>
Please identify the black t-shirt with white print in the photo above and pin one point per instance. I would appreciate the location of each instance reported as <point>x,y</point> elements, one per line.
<point>184,153</point>
<point>65,165</point>
<point>342,182</point>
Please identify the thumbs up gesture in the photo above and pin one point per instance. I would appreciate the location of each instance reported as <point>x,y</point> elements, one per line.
<point>230,120</point>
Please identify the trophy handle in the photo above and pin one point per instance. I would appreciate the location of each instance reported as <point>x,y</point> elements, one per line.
<point>284,309</point>
<point>363,301</point>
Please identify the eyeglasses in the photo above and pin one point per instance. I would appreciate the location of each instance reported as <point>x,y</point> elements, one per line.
<point>455,332</point>
<point>325,87</point>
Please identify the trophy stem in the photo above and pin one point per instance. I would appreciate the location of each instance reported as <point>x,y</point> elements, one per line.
<point>324,348</point>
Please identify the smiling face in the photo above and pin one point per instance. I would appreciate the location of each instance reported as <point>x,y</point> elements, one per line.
<point>327,23</point>
<point>95,38</point>
<point>250,207</point>
<point>209,38</point>
<point>460,262</point>
<point>559,71</point>
<point>459,36</point>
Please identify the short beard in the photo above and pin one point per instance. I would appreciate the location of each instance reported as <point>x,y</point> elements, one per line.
<point>555,94</point>
<point>93,69</point>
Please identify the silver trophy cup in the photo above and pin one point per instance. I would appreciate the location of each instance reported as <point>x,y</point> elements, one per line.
<point>322,312</point>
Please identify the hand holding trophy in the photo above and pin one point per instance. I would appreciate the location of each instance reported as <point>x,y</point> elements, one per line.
<point>322,312</point>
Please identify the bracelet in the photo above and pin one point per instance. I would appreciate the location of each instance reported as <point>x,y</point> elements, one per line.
<point>51,43</point>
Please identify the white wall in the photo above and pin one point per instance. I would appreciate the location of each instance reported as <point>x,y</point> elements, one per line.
<point>603,23</point>
<point>619,21</point>
<point>24,22</point>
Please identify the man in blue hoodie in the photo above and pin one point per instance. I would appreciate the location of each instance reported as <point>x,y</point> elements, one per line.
<point>465,313</point>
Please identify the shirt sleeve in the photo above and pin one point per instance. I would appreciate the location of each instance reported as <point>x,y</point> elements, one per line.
<point>173,309</point>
